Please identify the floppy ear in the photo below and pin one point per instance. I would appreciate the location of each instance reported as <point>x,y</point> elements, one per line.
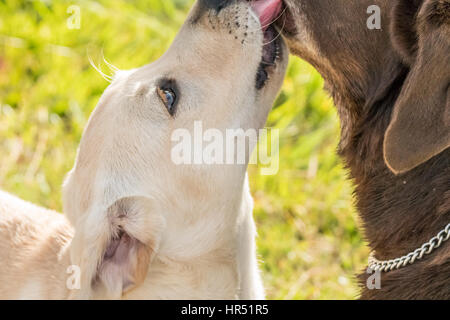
<point>114,249</point>
<point>420,124</point>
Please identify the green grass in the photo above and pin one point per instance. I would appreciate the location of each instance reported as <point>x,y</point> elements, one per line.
<point>308,237</point>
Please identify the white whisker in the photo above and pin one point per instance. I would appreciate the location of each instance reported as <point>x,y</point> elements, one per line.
<point>279,33</point>
<point>108,78</point>
<point>262,27</point>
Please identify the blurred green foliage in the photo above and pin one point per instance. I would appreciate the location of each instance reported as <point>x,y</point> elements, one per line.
<point>308,241</point>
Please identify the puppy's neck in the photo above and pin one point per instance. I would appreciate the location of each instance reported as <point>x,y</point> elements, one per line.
<point>200,247</point>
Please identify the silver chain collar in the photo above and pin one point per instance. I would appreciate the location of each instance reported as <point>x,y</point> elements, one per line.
<point>410,258</point>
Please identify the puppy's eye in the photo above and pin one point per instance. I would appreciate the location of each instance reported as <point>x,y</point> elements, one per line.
<point>168,97</point>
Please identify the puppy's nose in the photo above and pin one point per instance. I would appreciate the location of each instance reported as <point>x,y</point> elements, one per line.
<point>216,5</point>
<point>206,7</point>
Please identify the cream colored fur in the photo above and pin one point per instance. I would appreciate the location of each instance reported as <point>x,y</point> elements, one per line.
<point>190,227</point>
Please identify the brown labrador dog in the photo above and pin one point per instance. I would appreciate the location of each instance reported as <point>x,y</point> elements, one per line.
<point>391,88</point>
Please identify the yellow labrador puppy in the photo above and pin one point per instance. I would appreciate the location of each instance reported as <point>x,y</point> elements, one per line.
<point>139,225</point>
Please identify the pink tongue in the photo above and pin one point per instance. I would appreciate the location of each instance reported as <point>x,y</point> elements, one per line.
<point>267,11</point>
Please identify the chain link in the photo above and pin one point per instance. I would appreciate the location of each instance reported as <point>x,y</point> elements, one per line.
<point>410,258</point>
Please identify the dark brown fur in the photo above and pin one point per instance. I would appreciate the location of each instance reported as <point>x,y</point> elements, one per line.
<point>365,71</point>
<point>403,28</point>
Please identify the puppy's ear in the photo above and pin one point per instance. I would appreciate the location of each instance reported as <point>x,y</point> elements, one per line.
<point>114,250</point>
<point>420,124</point>
<point>130,247</point>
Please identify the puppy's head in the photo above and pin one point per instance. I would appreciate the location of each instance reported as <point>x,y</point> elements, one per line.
<point>224,70</point>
